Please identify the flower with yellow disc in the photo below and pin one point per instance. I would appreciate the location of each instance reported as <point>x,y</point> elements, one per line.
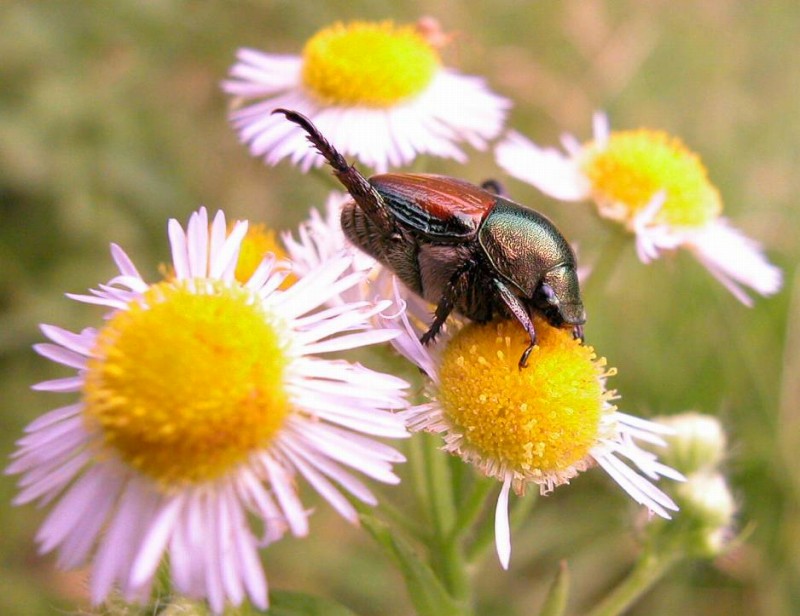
<point>659,190</point>
<point>377,90</point>
<point>543,424</point>
<point>202,398</point>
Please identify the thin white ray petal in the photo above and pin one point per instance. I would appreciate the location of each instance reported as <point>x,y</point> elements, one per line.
<point>61,355</point>
<point>54,416</point>
<point>228,253</point>
<point>134,511</point>
<point>78,343</point>
<point>351,341</point>
<point>287,497</point>
<point>228,562</point>
<point>197,243</point>
<point>180,258</point>
<point>325,489</point>
<point>547,169</point>
<point>155,540</point>
<point>502,529</point>
<point>52,482</point>
<point>77,545</point>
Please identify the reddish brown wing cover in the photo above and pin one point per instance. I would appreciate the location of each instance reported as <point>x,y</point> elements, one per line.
<point>443,198</point>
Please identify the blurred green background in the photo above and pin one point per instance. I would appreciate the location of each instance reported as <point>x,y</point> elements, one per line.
<point>112,121</point>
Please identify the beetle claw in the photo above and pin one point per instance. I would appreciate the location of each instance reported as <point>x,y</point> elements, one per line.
<point>523,360</point>
<point>428,337</point>
<point>577,332</point>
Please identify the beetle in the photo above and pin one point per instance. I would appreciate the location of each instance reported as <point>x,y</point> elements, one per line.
<point>462,247</point>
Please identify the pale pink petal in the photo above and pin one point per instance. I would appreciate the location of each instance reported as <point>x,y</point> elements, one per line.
<point>737,261</point>
<point>552,172</point>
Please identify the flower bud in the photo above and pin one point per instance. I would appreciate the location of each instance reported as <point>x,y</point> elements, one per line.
<point>707,508</point>
<point>697,443</point>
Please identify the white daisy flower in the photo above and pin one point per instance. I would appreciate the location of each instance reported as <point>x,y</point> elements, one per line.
<point>658,189</point>
<point>540,425</point>
<point>201,400</point>
<point>378,91</point>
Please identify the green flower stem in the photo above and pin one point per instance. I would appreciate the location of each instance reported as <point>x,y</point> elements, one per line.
<point>402,519</point>
<point>472,507</point>
<point>417,461</point>
<point>648,570</point>
<point>449,561</point>
<point>606,262</point>
<point>447,557</point>
<point>484,538</point>
<point>439,486</point>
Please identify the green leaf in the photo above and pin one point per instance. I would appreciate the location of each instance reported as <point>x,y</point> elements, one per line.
<point>424,588</point>
<point>556,602</point>
<point>285,603</point>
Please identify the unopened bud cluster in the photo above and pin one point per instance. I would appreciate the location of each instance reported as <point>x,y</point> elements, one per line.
<point>697,448</point>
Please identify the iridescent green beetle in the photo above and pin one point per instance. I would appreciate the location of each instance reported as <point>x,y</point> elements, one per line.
<point>459,246</point>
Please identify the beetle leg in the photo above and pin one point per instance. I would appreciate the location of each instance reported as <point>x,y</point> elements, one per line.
<point>493,186</point>
<point>577,332</point>
<point>363,193</point>
<point>521,314</point>
<point>456,286</point>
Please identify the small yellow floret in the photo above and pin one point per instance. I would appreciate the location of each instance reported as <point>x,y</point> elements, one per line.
<point>635,165</point>
<point>256,244</point>
<point>187,382</point>
<point>370,64</point>
<point>538,420</point>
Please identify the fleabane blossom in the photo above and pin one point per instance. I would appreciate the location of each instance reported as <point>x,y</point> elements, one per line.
<point>202,399</point>
<point>542,424</point>
<point>376,90</point>
<point>651,183</point>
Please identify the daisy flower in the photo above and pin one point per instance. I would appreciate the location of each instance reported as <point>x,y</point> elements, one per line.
<point>201,399</point>
<point>541,425</point>
<point>377,90</point>
<point>659,190</point>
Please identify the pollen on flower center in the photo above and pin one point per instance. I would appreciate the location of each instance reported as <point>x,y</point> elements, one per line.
<point>187,381</point>
<point>371,64</point>
<point>634,166</point>
<point>539,420</point>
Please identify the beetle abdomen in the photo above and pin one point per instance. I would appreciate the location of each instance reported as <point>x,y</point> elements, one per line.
<point>398,254</point>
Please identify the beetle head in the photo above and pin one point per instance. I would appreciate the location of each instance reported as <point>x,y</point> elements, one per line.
<point>558,297</point>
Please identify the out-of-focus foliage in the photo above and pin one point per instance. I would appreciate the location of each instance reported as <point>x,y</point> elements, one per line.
<point>112,121</point>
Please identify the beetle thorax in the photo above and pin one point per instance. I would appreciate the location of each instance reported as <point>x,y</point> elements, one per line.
<point>523,245</point>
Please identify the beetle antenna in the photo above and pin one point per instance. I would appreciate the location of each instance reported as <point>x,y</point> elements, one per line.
<point>323,146</point>
<point>364,194</point>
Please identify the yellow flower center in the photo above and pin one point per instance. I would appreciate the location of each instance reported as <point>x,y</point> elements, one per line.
<point>370,64</point>
<point>256,244</point>
<point>537,420</point>
<point>188,381</point>
<point>635,165</point>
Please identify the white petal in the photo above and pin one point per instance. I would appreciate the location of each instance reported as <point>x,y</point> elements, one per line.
<point>735,260</point>
<point>502,529</point>
<point>117,548</point>
<point>553,173</point>
<point>79,343</point>
<point>155,540</point>
<point>61,355</point>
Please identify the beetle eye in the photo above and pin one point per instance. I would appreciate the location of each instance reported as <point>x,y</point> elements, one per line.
<point>549,295</point>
